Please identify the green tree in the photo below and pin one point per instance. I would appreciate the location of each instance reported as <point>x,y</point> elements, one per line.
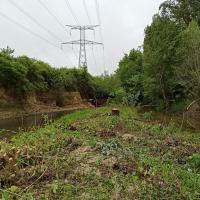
<point>160,46</point>
<point>183,11</point>
<point>105,86</point>
<point>84,82</point>
<point>12,74</point>
<point>7,52</point>
<point>130,72</point>
<point>34,73</point>
<point>68,79</point>
<point>188,71</point>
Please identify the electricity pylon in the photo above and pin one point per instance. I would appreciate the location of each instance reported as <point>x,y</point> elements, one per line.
<point>82,42</point>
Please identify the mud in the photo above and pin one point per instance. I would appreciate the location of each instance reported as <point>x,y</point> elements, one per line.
<point>106,133</point>
<point>125,167</point>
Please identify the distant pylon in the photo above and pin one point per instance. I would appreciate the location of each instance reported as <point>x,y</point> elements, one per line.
<point>82,42</point>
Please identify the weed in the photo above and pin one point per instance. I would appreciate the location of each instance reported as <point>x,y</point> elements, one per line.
<point>86,155</point>
<point>148,115</point>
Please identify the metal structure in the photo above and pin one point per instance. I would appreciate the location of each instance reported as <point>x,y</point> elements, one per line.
<point>82,42</point>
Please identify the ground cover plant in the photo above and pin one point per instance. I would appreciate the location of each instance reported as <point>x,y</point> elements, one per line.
<point>93,155</point>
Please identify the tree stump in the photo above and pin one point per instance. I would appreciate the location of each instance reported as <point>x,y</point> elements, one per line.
<point>115,112</point>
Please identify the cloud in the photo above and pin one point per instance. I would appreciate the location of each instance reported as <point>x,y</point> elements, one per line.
<point>123,24</point>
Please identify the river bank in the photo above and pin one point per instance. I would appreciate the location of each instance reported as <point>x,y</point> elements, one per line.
<point>27,110</point>
<point>39,103</point>
<point>13,121</point>
<point>35,110</point>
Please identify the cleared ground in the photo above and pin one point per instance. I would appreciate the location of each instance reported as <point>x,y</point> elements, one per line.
<point>93,155</point>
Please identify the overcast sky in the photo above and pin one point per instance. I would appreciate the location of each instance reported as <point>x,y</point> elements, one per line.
<point>123,23</point>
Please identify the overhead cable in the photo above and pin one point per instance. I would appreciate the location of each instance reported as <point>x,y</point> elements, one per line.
<point>71,11</point>
<point>29,31</point>
<point>33,19</point>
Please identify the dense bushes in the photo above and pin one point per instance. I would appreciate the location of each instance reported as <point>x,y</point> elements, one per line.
<point>130,73</point>
<point>21,75</point>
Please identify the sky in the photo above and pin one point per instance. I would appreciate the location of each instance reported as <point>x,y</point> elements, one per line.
<point>36,28</point>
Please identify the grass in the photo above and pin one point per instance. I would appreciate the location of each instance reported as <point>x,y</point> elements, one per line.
<point>93,155</point>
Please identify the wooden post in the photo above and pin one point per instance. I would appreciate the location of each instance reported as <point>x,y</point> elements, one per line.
<point>115,112</point>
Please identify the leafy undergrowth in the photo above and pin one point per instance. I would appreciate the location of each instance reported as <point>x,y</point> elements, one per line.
<point>93,155</point>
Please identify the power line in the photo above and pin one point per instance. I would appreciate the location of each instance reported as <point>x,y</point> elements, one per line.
<point>67,3</point>
<point>72,12</point>
<point>104,59</point>
<point>95,61</point>
<point>87,13</point>
<point>29,31</point>
<point>52,14</point>
<point>82,42</point>
<point>100,30</point>
<point>56,19</point>
<point>99,18</point>
<point>75,55</point>
<point>34,20</point>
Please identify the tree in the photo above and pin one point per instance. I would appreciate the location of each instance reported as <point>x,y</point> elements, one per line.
<point>84,82</point>
<point>34,73</point>
<point>105,86</point>
<point>160,45</point>
<point>188,71</point>
<point>130,72</point>
<point>7,52</point>
<point>23,75</point>
<point>12,74</point>
<point>183,11</point>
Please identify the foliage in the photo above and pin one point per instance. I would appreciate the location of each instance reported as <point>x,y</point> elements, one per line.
<point>165,75</point>
<point>84,82</point>
<point>148,115</point>
<point>143,160</point>
<point>34,74</point>
<point>188,71</point>
<point>12,73</point>
<point>182,11</point>
<point>159,60</point>
<point>22,75</point>
<point>194,162</point>
<point>130,72</point>
<point>105,86</point>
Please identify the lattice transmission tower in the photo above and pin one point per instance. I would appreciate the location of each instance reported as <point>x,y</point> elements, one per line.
<point>82,42</point>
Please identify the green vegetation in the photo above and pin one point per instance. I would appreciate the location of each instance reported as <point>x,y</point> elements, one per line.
<point>94,155</point>
<point>165,74</point>
<point>22,75</point>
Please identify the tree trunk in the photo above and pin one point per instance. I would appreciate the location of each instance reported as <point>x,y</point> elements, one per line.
<point>166,100</point>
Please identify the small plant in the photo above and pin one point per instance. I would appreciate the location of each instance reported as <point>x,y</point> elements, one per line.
<point>171,128</point>
<point>149,129</point>
<point>148,115</point>
<point>56,162</point>
<point>46,119</point>
<point>194,162</point>
<point>114,149</point>
<point>110,148</point>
